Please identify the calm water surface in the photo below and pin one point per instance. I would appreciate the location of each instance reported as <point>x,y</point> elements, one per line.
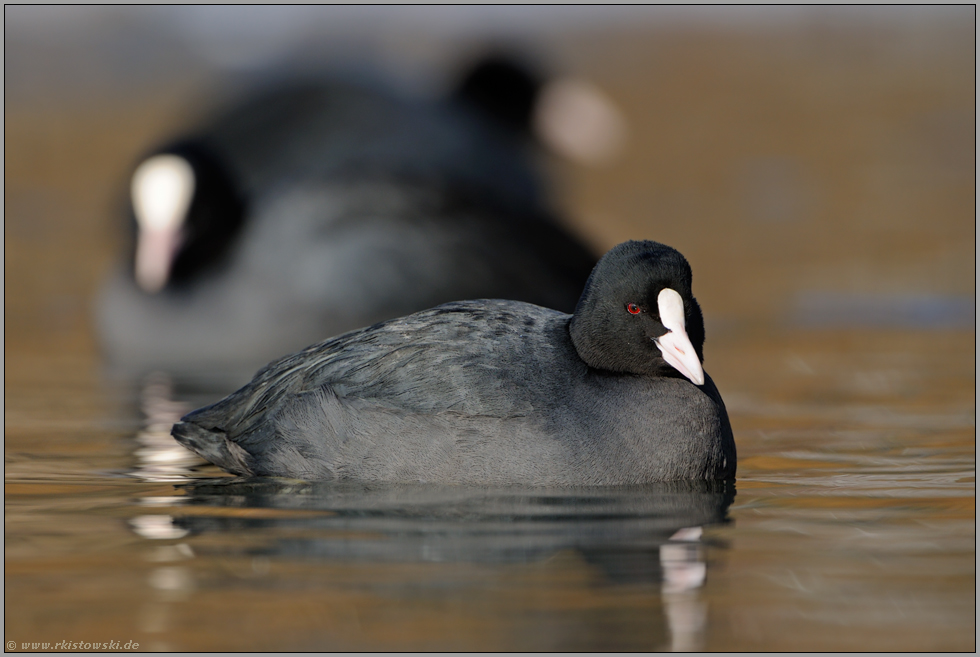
<point>851,525</point>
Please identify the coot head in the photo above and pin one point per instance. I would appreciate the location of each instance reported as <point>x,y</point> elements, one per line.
<point>186,212</point>
<point>637,314</point>
<point>502,89</point>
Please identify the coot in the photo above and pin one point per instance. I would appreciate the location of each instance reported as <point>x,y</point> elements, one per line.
<point>314,208</point>
<point>494,392</point>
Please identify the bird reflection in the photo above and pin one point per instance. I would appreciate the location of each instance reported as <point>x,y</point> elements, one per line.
<point>684,570</point>
<point>634,536</point>
<point>647,533</point>
<point>158,456</point>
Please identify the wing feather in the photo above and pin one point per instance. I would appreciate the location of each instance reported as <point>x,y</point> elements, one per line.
<point>455,357</point>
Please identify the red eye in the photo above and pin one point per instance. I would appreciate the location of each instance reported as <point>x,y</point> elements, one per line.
<point>633,308</point>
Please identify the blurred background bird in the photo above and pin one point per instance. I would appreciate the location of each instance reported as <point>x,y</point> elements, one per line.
<point>314,205</point>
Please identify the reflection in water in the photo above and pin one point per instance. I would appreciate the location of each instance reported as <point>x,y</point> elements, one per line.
<point>684,571</point>
<point>687,618</point>
<point>634,536</point>
<point>158,456</point>
<point>169,583</point>
<point>609,526</point>
<point>157,527</point>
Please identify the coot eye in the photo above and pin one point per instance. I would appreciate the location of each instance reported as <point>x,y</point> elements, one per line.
<point>633,308</point>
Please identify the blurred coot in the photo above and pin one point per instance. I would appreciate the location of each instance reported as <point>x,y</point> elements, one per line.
<point>313,208</point>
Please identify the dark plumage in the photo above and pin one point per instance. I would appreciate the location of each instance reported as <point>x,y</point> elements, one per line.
<point>320,207</point>
<point>491,391</point>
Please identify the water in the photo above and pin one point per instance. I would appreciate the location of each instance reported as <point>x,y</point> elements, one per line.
<point>851,524</point>
<point>835,265</point>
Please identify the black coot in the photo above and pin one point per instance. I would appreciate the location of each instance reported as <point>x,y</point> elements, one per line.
<point>316,208</point>
<point>494,392</point>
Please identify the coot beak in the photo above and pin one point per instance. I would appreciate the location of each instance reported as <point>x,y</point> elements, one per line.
<point>675,346</point>
<point>162,190</point>
<point>155,253</point>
